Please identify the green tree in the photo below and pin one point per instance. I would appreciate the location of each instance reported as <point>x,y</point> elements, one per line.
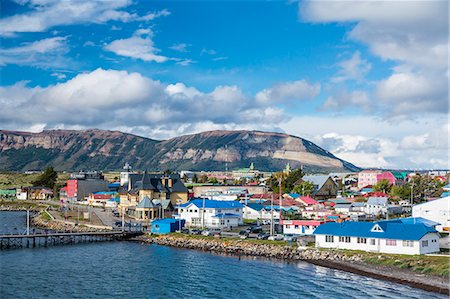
<point>402,192</point>
<point>383,186</point>
<point>195,178</point>
<point>304,188</point>
<point>203,179</point>
<point>213,180</point>
<point>288,181</point>
<point>47,178</point>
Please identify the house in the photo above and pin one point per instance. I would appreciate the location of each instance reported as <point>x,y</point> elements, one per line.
<point>22,194</point>
<point>393,177</point>
<point>376,206</point>
<point>80,185</point>
<point>100,198</point>
<point>342,208</point>
<point>367,177</point>
<point>8,193</point>
<point>307,200</point>
<point>211,213</point>
<point>166,226</point>
<point>300,227</point>
<point>39,193</point>
<point>391,236</point>
<point>253,211</point>
<point>437,210</point>
<point>316,213</point>
<point>324,186</point>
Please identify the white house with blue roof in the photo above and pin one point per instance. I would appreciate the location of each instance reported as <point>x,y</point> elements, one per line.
<point>398,236</point>
<point>207,213</point>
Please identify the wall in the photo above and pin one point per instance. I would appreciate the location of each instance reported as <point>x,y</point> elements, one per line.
<point>437,210</point>
<point>199,190</point>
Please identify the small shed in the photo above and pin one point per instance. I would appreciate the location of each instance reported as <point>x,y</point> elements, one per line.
<point>166,226</point>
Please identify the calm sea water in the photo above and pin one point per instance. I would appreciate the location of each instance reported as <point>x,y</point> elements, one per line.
<point>132,270</point>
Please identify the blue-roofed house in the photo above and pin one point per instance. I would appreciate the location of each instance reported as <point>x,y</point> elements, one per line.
<point>166,226</point>
<point>211,213</point>
<point>389,236</point>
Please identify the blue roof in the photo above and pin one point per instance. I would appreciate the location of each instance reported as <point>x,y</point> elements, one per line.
<point>294,195</point>
<point>391,230</point>
<point>214,204</point>
<point>446,186</point>
<point>165,220</point>
<point>414,220</point>
<point>445,194</point>
<point>226,215</point>
<point>106,192</point>
<point>255,206</point>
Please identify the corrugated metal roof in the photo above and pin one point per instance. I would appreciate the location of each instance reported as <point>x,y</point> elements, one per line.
<point>214,204</point>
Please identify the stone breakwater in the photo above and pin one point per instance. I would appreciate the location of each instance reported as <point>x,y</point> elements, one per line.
<point>242,247</point>
<point>334,259</point>
<point>59,226</point>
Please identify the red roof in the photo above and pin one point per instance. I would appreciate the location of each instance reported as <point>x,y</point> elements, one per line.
<point>64,188</point>
<point>267,196</point>
<point>101,196</point>
<point>376,194</point>
<point>307,200</point>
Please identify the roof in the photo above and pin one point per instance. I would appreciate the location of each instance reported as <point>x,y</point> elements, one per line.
<point>340,201</point>
<point>294,195</point>
<point>400,175</point>
<point>308,200</point>
<point>255,206</point>
<point>414,220</point>
<point>379,201</point>
<point>145,203</point>
<point>165,220</point>
<point>165,202</point>
<point>341,206</point>
<point>152,181</point>
<point>317,180</point>
<point>213,204</point>
<point>446,187</point>
<point>358,204</point>
<point>390,230</point>
<point>302,222</point>
<point>226,215</point>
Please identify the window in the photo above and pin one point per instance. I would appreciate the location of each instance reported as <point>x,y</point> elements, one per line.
<point>344,239</point>
<point>181,210</point>
<point>391,242</point>
<point>425,243</point>
<point>237,210</point>
<point>407,243</point>
<point>341,239</point>
<point>295,226</point>
<point>329,239</point>
<point>372,241</point>
<point>195,211</point>
<point>361,240</point>
<point>288,226</point>
<point>222,222</point>
<point>433,241</point>
<point>347,239</point>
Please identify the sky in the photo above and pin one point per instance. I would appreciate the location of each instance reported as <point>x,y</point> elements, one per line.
<point>366,80</point>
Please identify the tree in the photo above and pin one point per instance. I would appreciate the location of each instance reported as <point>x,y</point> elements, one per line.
<point>383,186</point>
<point>402,192</point>
<point>287,180</point>
<point>304,188</point>
<point>47,178</point>
<point>213,180</point>
<point>203,179</point>
<point>195,178</point>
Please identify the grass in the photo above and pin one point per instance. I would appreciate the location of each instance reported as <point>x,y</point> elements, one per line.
<point>45,216</point>
<point>18,180</point>
<point>423,264</point>
<point>225,239</point>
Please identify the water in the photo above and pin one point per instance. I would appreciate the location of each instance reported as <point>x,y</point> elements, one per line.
<point>125,269</point>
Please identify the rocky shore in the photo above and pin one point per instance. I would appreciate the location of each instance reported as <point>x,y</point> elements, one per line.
<point>335,259</point>
<point>59,226</point>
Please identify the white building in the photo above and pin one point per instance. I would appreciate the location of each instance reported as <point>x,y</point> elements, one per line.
<point>253,211</point>
<point>300,227</point>
<point>376,206</point>
<point>211,213</point>
<point>399,236</point>
<point>437,210</point>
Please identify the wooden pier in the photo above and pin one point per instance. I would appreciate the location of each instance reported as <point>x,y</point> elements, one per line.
<point>55,238</point>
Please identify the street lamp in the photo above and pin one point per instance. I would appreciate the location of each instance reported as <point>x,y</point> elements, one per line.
<point>179,215</point>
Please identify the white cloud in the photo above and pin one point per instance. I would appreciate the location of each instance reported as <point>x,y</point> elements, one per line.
<point>43,53</point>
<point>289,91</point>
<point>354,68</point>
<point>371,142</point>
<point>413,34</point>
<point>185,62</point>
<point>344,100</point>
<point>179,47</point>
<point>112,99</point>
<point>44,15</point>
<point>139,46</point>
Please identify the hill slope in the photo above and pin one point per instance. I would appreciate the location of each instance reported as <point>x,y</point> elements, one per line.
<point>109,150</point>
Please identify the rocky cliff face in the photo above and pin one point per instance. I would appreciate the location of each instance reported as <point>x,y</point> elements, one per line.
<point>108,150</point>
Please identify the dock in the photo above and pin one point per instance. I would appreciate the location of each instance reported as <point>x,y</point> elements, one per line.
<point>62,238</point>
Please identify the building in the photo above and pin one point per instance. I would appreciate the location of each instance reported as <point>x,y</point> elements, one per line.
<point>8,193</point>
<point>437,210</point>
<point>391,236</point>
<point>307,201</point>
<point>393,177</point>
<point>39,193</point>
<point>81,184</point>
<point>125,174</point>
<point>300,227</point>
<point>367,178</point>
<point>376,206</point>
<point>201,190</point>
<point>324,186</point>
<point>253,211</point>
<point>211,213</point>
<point>166,226</point>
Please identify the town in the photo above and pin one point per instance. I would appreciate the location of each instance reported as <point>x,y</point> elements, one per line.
<point>393,212</point>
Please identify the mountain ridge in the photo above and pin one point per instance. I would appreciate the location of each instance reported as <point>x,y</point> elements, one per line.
<point>109,150</point>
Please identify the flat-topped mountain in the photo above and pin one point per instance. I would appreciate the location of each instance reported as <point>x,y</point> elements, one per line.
<point>109,150</point>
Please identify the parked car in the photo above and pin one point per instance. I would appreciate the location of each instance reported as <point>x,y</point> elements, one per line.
<point>195,232</point>
<point>243,233</point>
<point>116,213</point>
<point>255,229</point>
<point>206,233</point>
<point>263,236</point>
<point>276,238</point>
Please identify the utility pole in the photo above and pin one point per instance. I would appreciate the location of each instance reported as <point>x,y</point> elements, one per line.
<point>281,200</point>
<point>271,216</point>
<point>203,214</point>
<point>28,222</point>
<point>123,218</point>
<point>412,200</point>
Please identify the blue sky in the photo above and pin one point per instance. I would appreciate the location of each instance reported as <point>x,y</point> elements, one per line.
<point>365,80</point>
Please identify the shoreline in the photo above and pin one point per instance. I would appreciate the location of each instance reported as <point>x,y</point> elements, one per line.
<point>333,259</point>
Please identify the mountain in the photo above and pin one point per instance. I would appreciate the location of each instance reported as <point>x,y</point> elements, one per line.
<point>109,150</point>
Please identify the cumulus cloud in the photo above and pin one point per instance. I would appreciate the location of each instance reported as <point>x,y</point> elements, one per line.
<point>289,91</point>
<point>44,15</point>
<point>179,47</point>
<point>354,68</point>
<point>42,53</point>
<point>139,46</point>
<point>413,34</point>
<point>343,100</point>
<point>111,99</point>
